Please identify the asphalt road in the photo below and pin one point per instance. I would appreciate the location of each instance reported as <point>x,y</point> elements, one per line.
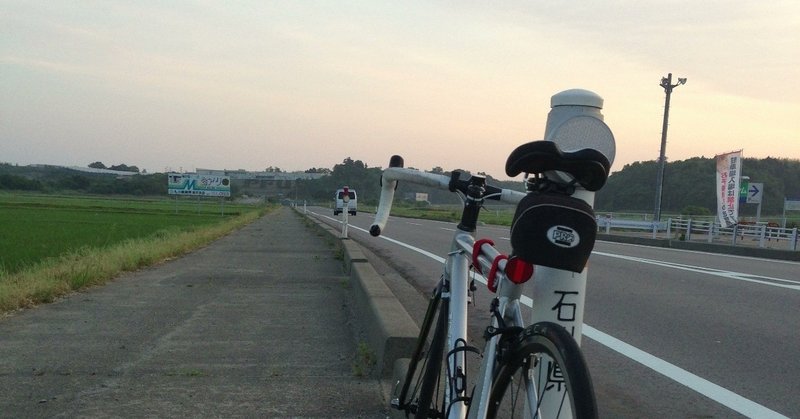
<point>672,333</point>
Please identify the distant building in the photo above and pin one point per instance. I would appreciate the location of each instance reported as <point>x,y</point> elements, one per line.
<point>91,170</point>
<point>267,184</point>
<point>416,196</point>
<point>274,176</point>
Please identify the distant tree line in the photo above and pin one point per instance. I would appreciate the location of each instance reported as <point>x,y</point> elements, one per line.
<point>367,182</point>
<point>689,185</point>
<point>19,183</point>
<point>56,179</point>
<point>119,167</point>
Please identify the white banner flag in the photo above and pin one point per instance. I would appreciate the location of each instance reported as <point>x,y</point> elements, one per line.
<point>729,168</point>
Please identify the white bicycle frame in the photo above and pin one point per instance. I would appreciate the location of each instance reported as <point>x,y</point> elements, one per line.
<point>551,288</point>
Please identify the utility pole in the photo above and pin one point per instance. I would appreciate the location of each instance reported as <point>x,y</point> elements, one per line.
<point>666,83</point>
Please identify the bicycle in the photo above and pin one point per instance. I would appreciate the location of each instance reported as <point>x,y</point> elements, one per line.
<point>536,370</point>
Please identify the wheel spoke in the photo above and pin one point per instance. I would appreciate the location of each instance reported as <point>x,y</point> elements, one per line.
<point>540,370</point>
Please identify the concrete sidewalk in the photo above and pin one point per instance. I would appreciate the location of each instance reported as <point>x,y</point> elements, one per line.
<point>258,324</point>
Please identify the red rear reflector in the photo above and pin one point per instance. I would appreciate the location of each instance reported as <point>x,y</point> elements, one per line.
<point>518,271</point>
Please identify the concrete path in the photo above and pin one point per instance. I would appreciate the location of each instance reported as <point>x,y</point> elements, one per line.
<point>258,324</point>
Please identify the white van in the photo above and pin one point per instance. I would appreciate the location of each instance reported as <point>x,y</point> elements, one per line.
<point>339,204</point>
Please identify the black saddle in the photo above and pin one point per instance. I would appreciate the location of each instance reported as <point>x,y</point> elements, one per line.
<point>589,167</point>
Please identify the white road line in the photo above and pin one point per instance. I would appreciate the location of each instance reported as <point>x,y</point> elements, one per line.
<point>720,394</point>
<point>669,249</point>
<point>713,391</point>
<point>759,279</point>
<point>408,246</point>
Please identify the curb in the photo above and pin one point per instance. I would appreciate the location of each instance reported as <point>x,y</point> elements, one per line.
<point>391,332</point>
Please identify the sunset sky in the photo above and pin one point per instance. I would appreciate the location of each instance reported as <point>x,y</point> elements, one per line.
<point>177,85</point>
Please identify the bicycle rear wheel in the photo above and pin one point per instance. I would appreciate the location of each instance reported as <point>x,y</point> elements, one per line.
<point>542,374</point>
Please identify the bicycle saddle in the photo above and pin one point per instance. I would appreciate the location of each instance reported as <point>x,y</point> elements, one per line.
<point>589,167</point>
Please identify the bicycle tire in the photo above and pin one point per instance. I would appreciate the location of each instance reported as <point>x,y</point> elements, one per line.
<point>538,344</point>
<point>423,375</point>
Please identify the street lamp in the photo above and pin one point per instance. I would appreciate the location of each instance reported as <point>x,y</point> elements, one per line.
<point>666,83</point>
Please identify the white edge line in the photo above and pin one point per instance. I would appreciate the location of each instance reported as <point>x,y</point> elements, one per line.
<point>672,249</point>
<point>707,388</point>
<point>715,272</point>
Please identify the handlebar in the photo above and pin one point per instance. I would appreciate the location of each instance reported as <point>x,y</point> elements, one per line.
<point>395,173</point>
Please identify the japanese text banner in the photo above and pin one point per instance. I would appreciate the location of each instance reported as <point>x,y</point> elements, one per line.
<point>729,168</point>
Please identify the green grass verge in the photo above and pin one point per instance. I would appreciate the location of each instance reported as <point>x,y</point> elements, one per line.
<point>50,278</point>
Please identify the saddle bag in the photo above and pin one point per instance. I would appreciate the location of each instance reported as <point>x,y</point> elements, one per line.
<point>554,230</point>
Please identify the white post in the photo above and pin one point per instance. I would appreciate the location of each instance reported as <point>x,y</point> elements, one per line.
<point>793,244</point>
<point>345,211</point>
<point>560,295</point>
<point>344,224</point>
<point>758,212</point>
<point>689,230</point>
<point>783,222</point>
<point>711,227</point>
<point>762,241</point>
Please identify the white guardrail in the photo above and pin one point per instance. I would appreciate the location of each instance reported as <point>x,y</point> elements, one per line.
<point>744,233</point>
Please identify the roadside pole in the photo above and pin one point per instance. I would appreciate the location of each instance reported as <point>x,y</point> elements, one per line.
<point>575,122</point>
<point>345,211</point>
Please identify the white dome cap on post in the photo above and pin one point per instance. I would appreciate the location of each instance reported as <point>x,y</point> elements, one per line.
<point>576,97</point>
<point>576,122</point>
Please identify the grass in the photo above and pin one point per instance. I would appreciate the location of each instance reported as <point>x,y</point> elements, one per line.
<point>365,360</point>
<point>33,234</point>
<point>51,246</point>
<point>488,215</point>
<point>37,227</point>
<point>128,204</point>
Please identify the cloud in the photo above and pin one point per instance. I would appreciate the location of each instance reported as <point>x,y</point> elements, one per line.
<point>372,76</point>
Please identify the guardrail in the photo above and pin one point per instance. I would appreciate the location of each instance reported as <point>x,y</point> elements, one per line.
<point>762,234</point>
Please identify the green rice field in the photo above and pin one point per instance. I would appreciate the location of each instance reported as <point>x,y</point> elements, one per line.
<point>34,228</point>
<point>489,215</point>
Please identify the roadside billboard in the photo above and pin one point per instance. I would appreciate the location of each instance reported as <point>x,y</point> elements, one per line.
<point>198,185</point>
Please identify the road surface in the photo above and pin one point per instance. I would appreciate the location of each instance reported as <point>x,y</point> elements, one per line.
<point>667,333</point>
